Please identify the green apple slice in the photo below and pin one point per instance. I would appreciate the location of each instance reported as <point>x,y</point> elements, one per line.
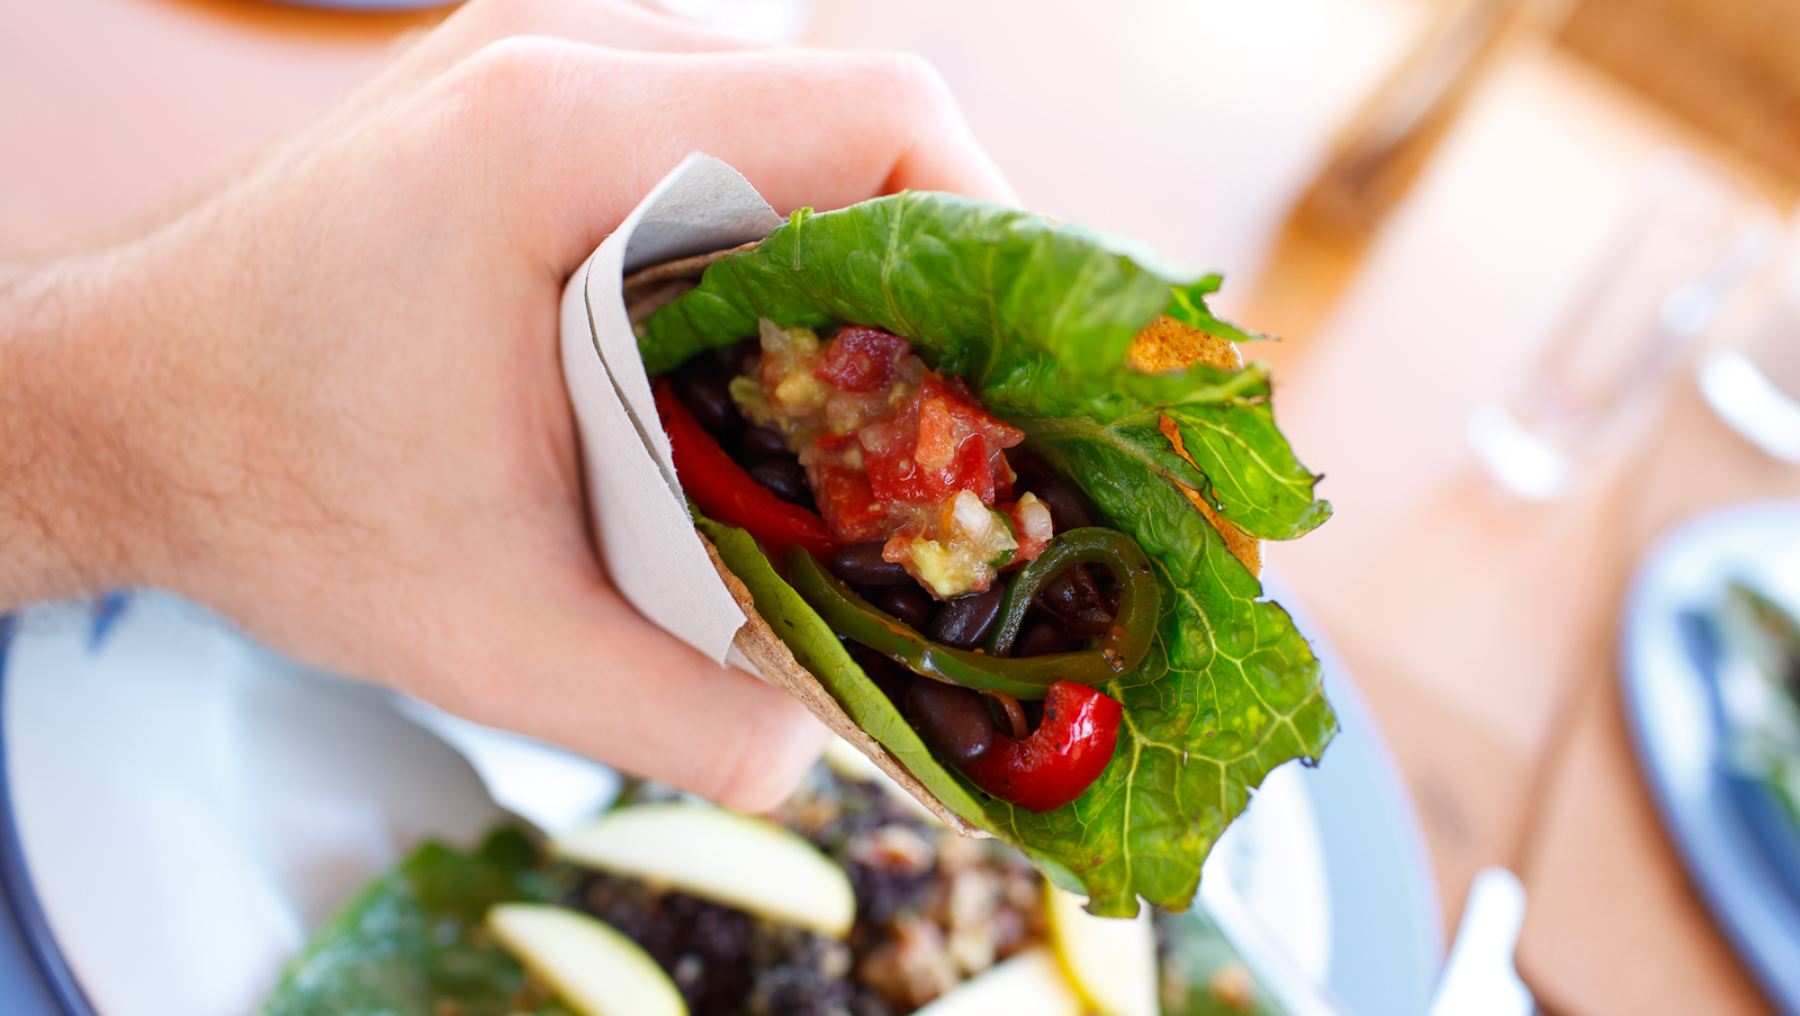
<point>735,860</point>
<point>591,966</point>
<point>1030,983</point>
<point>1111,961</point>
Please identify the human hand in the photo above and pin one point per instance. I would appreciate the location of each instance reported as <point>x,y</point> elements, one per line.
<point>329,401</point>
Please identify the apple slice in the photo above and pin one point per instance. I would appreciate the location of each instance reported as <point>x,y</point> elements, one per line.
<point>736,860</point>
<point>1111,961</point>
<point>590,966</point>
<point>1030,982</point>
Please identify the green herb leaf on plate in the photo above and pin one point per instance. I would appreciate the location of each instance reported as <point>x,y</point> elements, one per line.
<point>413,942</point>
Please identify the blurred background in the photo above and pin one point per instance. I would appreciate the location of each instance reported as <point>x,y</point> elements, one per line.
<point>1533,266</point>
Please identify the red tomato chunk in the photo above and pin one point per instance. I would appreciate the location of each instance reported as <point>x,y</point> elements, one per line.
<point>861,359</point>
<point>938,442</point>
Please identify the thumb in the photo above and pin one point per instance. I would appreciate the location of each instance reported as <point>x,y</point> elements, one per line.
<point>584,670</point>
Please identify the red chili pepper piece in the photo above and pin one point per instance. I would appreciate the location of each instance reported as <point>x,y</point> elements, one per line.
<point>1057,761</point>
<point>723,490</point>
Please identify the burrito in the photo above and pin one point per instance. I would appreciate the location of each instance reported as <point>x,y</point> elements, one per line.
<point>990,489</point>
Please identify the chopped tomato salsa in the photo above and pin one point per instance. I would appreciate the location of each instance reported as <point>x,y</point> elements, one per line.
<point>861,359</point>
<point>898,453</point>
<point>847,505</point>
<point>939,441</point>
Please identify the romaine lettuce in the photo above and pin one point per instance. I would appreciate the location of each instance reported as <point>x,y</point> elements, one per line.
<point>1037,317</point>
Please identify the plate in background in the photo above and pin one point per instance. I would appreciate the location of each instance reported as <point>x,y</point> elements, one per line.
<point>1734,856</point>
<point>184,807</point>
<point>188,806</point>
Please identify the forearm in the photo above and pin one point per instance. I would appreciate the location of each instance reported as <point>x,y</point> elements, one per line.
<point>64,478</point>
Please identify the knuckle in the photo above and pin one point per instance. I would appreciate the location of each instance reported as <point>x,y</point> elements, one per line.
<point>517,63</point>
<point>912,77</point>
<point>511,77</point>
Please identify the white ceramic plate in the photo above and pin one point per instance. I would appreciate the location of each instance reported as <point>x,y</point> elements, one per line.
<point>187,806</point>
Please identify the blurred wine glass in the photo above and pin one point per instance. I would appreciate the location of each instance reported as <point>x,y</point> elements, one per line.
<point>1752,378</point>
<point>1680,255</point>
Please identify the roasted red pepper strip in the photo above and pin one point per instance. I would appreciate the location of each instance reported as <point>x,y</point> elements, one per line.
<point>1057,761</point>
<point>724,491</point>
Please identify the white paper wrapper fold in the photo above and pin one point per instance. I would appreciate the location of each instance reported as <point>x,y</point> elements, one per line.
<point>646,537</point>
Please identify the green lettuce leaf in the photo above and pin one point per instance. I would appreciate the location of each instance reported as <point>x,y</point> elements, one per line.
<point>413,943</point>
<point>1037,317</point>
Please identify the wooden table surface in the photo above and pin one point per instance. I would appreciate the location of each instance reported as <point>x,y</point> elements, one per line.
<point>1481,629</point>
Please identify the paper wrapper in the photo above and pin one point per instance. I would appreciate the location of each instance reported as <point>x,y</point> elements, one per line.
<point>640,519</point>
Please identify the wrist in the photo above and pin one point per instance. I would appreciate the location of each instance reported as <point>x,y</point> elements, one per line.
<point>73,497</point>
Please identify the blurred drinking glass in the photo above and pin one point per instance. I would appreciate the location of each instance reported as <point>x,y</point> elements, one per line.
<point>1752,378</point>
<point>1682,251</point>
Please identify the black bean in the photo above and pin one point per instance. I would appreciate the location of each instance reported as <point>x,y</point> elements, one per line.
<point>866,658</point>
<point>1077,603</point>
<point>965,621</point>
<point>1029,466</point>
<point>889,676</point>
<point>1072,590</point>
<point>709,396</point>
<point>762,443</point>
<point>909,603</point>
<point>1041,636</point>
<point>861,564</point>
<point>1069,508</point>
<point>784,477</point>
<point>1089,625</point>
<point>953,719</point>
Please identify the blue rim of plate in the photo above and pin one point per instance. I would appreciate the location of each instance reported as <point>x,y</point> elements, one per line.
<point>22,903</point>
<point>1776,831</point>
<point>1387,937</point>
<point>1723,850</point>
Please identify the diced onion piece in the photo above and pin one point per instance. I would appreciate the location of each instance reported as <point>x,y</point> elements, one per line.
<point>1033,517</point>
<point>970,517</point>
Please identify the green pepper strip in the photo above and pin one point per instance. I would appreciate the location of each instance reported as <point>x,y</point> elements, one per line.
<point>1029,678</point>
<point>1139,597</point>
